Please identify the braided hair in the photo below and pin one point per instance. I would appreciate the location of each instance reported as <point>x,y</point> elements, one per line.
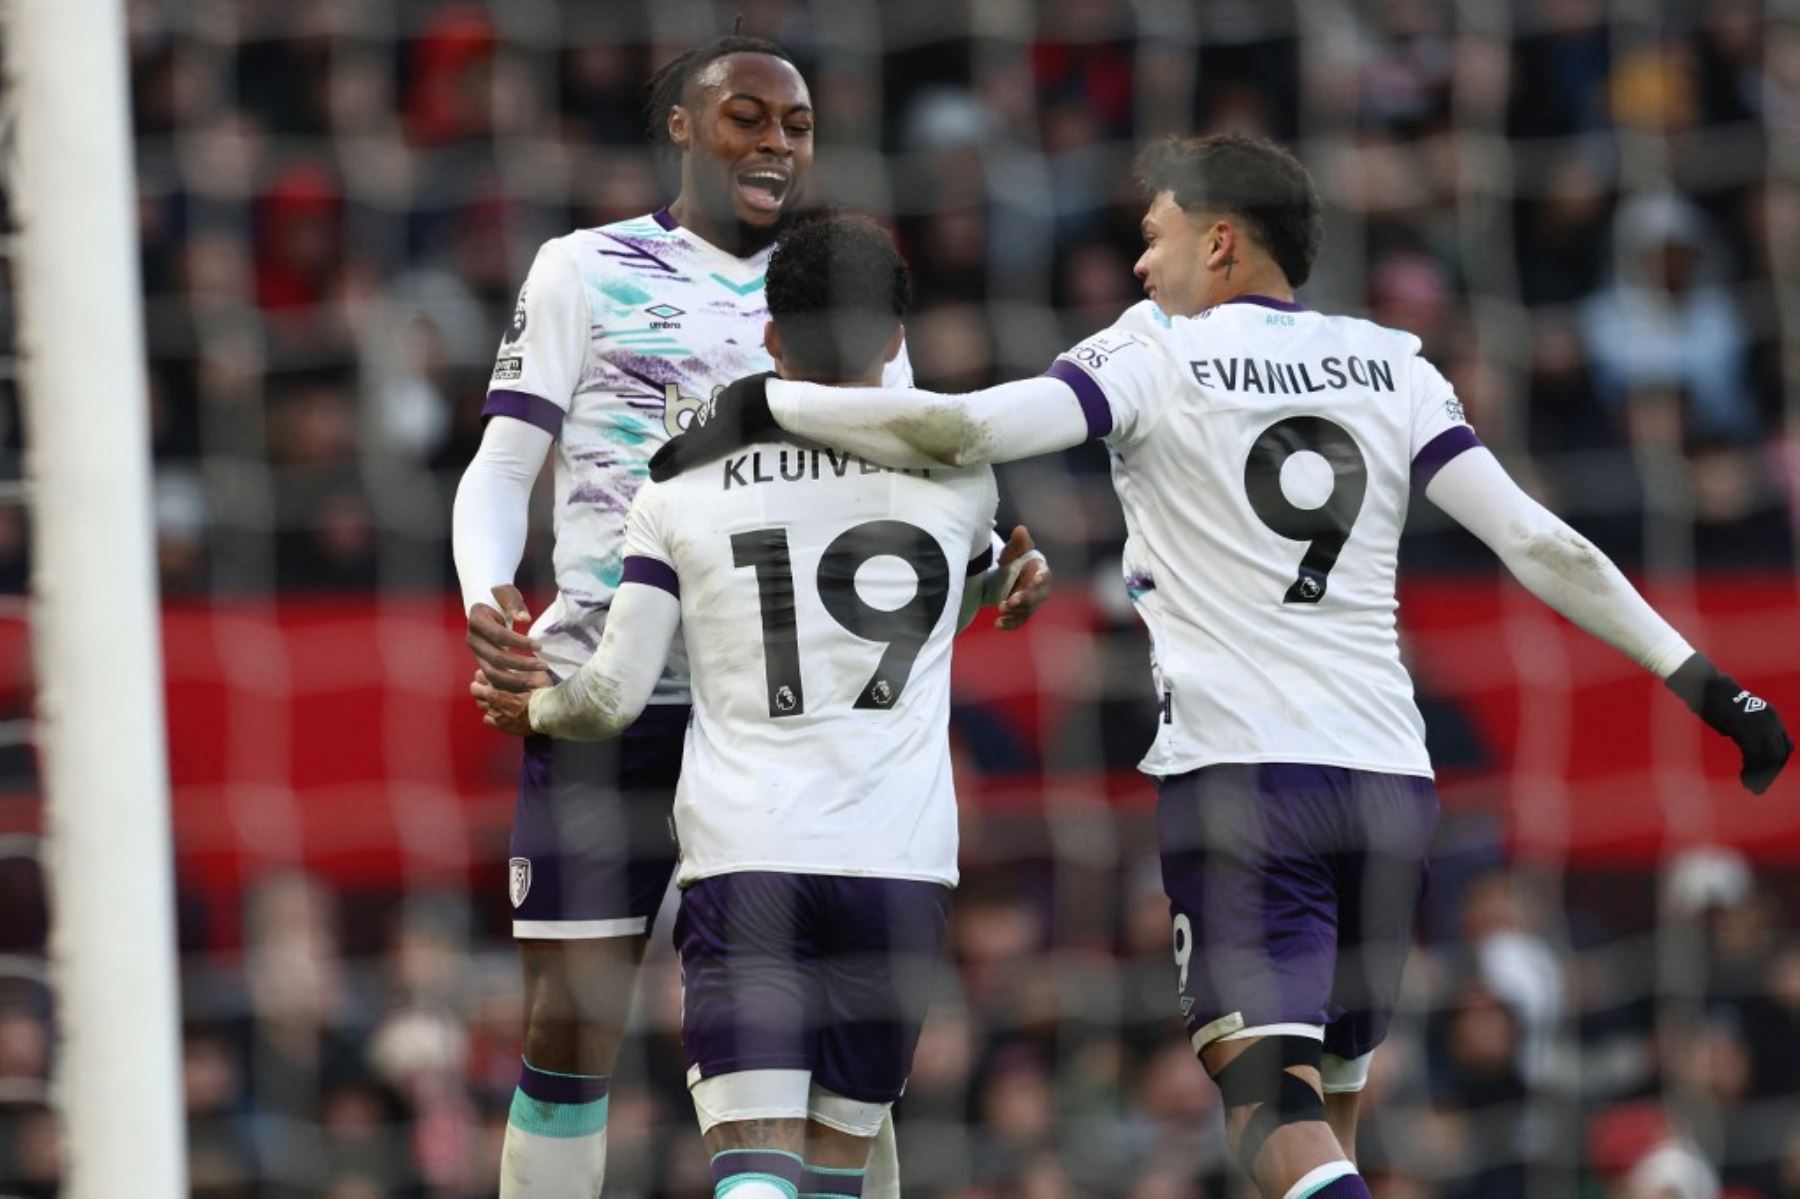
<point>671,80</point>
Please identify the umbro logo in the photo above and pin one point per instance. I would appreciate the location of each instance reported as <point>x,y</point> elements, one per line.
<point>1751,703</point>
<point>665,315</point>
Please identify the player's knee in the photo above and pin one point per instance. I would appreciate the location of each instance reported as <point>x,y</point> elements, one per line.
<point>1261,1081</point>
<point>577,998</point>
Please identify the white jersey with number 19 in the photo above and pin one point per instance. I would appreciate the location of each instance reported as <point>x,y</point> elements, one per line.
<point>819,597</point>
<point>1265,456</point>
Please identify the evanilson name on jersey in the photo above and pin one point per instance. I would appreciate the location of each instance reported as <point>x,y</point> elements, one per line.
<point>797,465</point>
<point>1293,378</point>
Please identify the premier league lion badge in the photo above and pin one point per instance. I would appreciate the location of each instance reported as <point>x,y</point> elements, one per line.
<point>518,879</point>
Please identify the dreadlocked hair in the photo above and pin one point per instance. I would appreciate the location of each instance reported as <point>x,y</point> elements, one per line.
<point>665,88</point>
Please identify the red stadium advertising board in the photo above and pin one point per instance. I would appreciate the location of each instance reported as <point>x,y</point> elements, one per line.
<point>336,732</point>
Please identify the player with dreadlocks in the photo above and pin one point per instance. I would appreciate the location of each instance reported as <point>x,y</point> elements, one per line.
<point>620,333</point>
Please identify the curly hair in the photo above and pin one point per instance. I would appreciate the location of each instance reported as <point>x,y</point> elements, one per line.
<point>1252,179</point>
<point>837,289</point>
<point>671,80</point>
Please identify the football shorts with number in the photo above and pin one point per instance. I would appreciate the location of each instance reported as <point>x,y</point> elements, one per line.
<point>1265,456</point>
<point>819,597</point>
<point>619,334</point>
<point>1294,890</point>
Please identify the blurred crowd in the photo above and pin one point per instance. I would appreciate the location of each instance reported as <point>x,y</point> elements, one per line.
<point>1623,1036</point>
<point>1588,211</point>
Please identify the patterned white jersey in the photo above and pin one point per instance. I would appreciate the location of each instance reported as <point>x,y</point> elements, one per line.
<point>819,598</point>
<point>1265,455</point>
<point>620,333</point>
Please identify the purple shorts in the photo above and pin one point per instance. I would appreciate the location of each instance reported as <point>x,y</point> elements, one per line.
<point>817,972</point>
<point>593,840</point>
<point>1294,891</point>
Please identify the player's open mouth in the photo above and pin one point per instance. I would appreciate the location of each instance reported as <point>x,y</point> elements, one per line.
<point>764,188</point>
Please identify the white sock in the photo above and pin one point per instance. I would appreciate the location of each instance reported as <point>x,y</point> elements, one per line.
<point>754,1188</point>
<point>883,1178</point>
<point>555,1144</point>
<point>535,1167</point>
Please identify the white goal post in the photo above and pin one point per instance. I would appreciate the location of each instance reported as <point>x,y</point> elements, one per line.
<point>95,631</point>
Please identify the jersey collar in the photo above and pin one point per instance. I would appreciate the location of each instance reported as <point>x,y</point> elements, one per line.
<point>662,216</point>
<point>1267,302</point>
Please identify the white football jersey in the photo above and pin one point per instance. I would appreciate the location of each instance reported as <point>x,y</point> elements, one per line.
<point>620,333</point>
<point>1264,456</point>
<point>819,598</point>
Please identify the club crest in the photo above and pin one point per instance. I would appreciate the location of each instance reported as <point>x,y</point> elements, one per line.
<point>518,879</point>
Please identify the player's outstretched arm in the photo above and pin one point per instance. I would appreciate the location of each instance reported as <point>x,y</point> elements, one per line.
<point>893,426</point>
<point>1566,571</point>
<point>926,428</point>
<point>488,526</point>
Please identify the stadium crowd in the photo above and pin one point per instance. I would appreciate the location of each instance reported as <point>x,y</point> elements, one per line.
<point>1589,212</point>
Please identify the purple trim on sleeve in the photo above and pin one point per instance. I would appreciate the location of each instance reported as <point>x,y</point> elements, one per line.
<point>1093,401</point>
<point>981,561</point>
<point>665,218</point>
<point>520,405</point>
<point>1439,451</point>
<point>651,572</point>
<point>1268,302</point>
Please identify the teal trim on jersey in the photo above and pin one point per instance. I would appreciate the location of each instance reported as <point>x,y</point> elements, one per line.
<point>562,1121</point>
<point>623,291</point>
<point>743,289</point>
<point>609,572</point>
<point>629,429</point>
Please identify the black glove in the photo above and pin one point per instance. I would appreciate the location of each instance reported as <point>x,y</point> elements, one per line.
<point>1750,721</point>
<point>734,418</point>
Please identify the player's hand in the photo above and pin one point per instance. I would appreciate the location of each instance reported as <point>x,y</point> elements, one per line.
<point>738,415</point>
<point>1030,588</point>
<point>508,658</point>
<point>1747,719</point>
<point>508,711</point>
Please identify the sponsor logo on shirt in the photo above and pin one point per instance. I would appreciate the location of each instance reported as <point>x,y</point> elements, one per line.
<point>509,369</point>
<point>1454,409</point>
<point>665,315</point>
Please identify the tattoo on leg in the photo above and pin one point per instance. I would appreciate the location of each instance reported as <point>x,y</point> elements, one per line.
<point>783,1133</point>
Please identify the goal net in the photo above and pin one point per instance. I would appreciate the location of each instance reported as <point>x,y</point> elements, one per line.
<point>1589,212</point>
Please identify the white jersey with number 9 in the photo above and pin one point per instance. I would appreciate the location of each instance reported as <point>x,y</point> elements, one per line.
<point>1265,456</point>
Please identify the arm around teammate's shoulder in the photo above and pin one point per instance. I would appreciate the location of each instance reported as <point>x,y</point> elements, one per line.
<point>1103,387</point>
<point>915,429</point>
<point>1568,572</point>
